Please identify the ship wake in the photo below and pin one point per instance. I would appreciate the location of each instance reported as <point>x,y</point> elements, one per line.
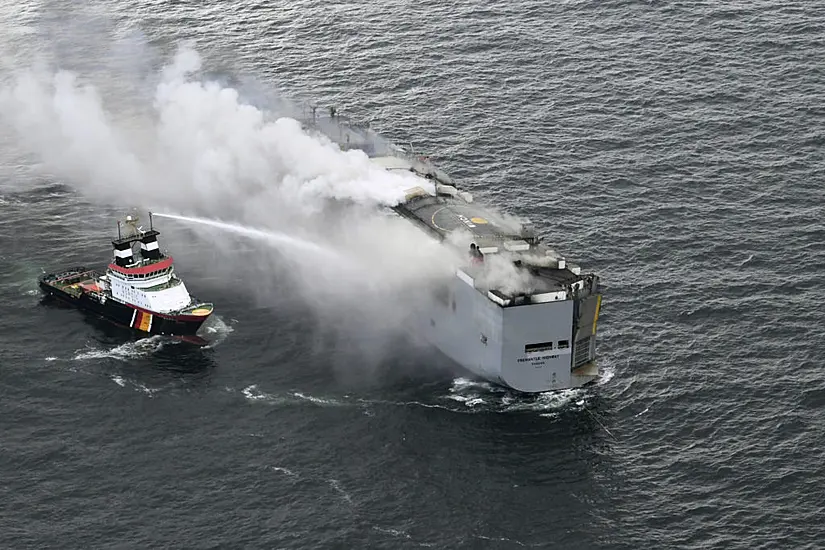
<point>464,397</point>
<point>482,396</point>
<point>138,349</point>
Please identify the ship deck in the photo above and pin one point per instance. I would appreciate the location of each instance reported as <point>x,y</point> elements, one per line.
<point>542,279</point>
<point>74,281</point>
<point>443,215</point>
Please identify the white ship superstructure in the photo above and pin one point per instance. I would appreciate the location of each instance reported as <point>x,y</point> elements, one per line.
<point>537,336</point>
<point>147,278</point>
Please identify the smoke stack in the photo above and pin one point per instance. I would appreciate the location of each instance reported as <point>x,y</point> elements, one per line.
<point>123,253</point>
<point>149,248</point>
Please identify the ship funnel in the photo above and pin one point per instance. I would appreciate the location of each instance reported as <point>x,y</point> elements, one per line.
<point>149,248</point>
<point>123,252</point>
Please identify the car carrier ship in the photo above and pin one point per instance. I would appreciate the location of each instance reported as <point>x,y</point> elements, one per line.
<point>531,341</point>
<point>139,289</point>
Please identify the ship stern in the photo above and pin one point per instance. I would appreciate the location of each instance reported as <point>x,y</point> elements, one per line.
<point>551,345</point>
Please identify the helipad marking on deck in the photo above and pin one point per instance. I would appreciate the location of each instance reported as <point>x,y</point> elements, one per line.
<point>469,222</point>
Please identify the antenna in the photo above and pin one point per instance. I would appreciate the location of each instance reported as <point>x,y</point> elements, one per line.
<point>150,222</point>
<point>118,230</point>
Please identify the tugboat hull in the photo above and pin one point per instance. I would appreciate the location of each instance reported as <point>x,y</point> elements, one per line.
<point>125,315</point>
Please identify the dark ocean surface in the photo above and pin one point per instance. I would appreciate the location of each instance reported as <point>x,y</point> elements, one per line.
<point>675,148</point>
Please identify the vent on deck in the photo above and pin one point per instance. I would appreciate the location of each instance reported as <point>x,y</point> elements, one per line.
<point>583,352</point>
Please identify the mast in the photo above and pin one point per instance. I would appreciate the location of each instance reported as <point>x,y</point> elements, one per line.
<point>126,237</point>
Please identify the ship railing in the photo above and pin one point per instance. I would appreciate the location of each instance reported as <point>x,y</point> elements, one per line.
<point>586,286</point>
<point>194,303</point>
<point>74,276</point>
<point>173,281</point>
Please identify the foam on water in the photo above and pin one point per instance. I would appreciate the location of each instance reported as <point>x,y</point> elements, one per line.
<point>285,471</point>
<point>484,396</point>
<point>336,485</point>
<point>318,400</point>
<point>393,532</point>
<point>472,397</point>
<point>130,350</point>
<point>137,386</point>
<point>607,375</point>
<point>253,393</point>
<point>217,330</point>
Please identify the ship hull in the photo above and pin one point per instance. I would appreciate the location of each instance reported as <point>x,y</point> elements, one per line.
<point>125,315</point>
<point>528,348</point>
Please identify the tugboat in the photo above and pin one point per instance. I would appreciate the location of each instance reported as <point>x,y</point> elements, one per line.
<point>139,290</point>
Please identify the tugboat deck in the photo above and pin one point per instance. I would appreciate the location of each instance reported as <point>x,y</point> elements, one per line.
<point>74,281</point>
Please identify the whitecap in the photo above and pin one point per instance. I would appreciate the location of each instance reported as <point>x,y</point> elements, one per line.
<point>149,391</point>
<point>393,532</point>
<point>337,486</point>
<point>252,393</point>
<point>317,400</point>
<point>607,375</point>
<point>285,471</point>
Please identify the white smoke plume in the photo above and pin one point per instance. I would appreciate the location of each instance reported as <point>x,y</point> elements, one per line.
<point>199,149</point>
<point>500,273</point>
<point>194,147</point>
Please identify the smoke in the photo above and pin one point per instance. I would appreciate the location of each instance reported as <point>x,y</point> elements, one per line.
<point>195,147</point>
<point>202,149</point>
<point>500,273</point>
<point>173,140</point>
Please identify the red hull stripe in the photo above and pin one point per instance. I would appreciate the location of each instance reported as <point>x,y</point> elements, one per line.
<point>143,269</point>
<point>140,311</point>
